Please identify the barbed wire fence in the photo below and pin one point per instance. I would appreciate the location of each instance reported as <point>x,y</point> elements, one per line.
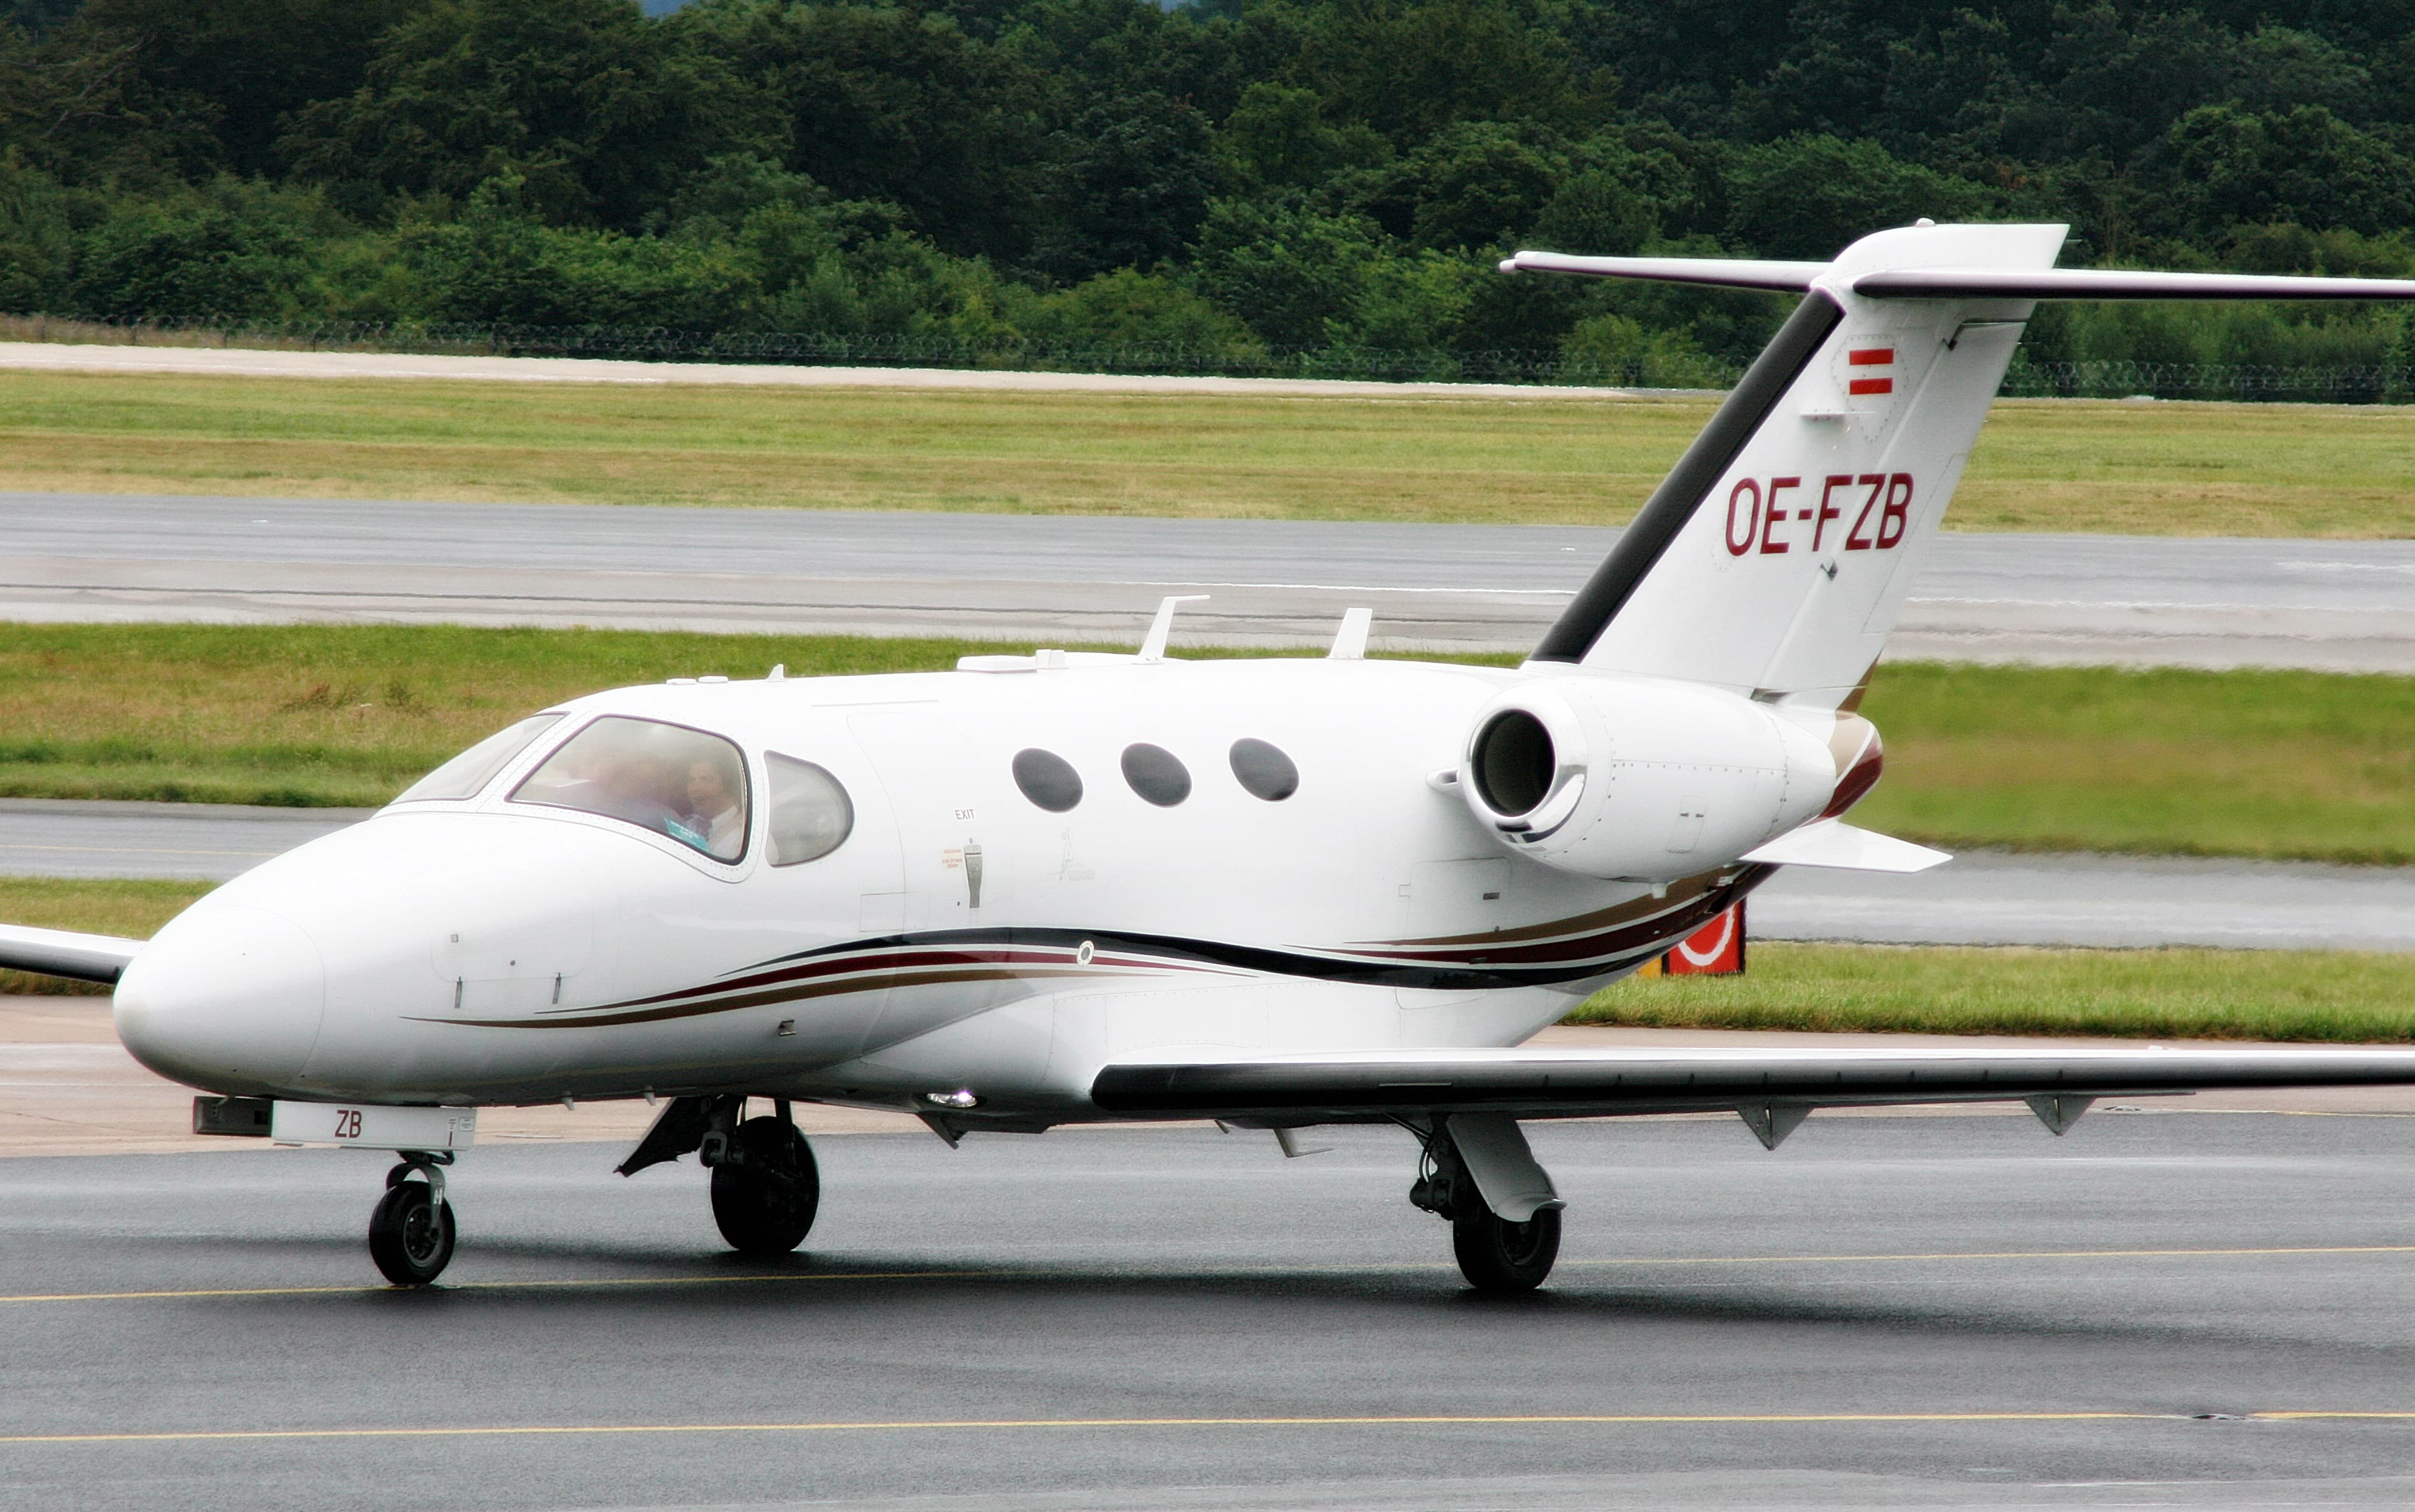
<point>2345,384</point>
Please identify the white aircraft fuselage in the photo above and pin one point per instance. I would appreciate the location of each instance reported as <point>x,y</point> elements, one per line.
<point>962,939</point>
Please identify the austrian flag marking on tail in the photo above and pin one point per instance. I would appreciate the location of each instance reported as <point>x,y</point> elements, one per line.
<point>1869,364</point>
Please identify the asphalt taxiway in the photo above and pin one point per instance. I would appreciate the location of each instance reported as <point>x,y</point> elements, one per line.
<point>2076,599</point>
<point>2159,1310</point>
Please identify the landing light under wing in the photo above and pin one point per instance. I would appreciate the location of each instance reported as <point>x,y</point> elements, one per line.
<point>1580,1083</point>
<point>59,952</point>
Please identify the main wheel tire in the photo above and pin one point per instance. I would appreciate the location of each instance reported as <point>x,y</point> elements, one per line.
<point>764,1201</point>
<point>1502,1257</point>
<point>411,1234</point>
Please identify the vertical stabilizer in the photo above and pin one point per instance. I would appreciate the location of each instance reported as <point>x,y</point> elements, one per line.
<point>1776,557</point>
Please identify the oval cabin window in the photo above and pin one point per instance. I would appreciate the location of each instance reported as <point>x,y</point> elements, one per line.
<point>1263,771</point>
<point>1047,779</point>
<point>811,814</point>
<point>1157,774</point>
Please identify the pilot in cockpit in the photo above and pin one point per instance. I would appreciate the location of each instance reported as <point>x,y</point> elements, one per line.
<point>672,780</point>
<point>713,810</point>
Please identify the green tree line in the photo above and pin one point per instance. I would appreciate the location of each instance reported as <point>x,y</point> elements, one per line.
<point>1237,175</point>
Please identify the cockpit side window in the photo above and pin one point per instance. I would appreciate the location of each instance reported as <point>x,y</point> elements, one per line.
<point>472,769</point>
<point>811,814</point>
<point>667,778</point>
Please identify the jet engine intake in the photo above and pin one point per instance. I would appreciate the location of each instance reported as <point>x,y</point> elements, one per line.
<point>1644,779</point>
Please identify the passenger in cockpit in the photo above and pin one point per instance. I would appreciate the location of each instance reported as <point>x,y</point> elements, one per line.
<point>713,812</point>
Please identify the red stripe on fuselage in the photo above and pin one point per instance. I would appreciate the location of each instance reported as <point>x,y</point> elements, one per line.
<point>891,959</point>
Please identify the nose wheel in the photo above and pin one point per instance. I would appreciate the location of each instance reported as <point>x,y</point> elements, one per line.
<point>411,1229</point>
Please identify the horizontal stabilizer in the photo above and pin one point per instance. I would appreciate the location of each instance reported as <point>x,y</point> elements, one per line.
<point>2116,283</point>
<point>1555,1083</point>
<point>1716,272</point>
<point>58,953</point>
<point>1963,282</point>
<point>1834,842</point>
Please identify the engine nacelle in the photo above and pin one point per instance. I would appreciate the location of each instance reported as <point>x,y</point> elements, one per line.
<point>1640,779</point>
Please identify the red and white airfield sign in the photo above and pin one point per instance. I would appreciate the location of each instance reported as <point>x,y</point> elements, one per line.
<point>1716,949</point>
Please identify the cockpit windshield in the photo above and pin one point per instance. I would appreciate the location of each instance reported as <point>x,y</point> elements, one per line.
<point>667,778</point>
<point>465,774</point>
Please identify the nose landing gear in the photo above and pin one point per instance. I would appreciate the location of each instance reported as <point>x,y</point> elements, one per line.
<point>410,1230</point>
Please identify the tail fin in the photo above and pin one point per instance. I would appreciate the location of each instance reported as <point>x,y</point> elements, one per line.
<point>1776,555</point>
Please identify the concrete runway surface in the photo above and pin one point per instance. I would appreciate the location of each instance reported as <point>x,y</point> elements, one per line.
<point>58,356</point>
<point>2337,605</point>
<point>2160,1309</point>
<point>204,842</point>
<point>1979,898</point>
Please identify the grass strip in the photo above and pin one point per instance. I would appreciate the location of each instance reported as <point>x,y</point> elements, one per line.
<point>2274,764</point>
<point>95,905</point>
<point>2330,996</point>
<point>334,715</point>
<point>2165,761</point>
<point>2181,469</point>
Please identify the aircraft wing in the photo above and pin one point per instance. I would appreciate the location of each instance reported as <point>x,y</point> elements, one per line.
<point>59,952</point>
<point>1572,1084</point>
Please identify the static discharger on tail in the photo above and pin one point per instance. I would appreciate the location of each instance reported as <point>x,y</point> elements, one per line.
<point>1064,888</point>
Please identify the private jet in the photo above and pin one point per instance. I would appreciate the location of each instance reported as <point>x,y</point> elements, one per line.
<point>1279,892</point>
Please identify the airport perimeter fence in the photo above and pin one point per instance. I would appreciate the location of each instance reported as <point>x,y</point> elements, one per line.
<point>2345,384</point>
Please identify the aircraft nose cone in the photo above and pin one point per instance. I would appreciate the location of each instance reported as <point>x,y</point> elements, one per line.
<point>227,998</point>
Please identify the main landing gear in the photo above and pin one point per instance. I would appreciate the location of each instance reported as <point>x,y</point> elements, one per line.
<point>766,1187</point>
<point>411,1229</point>
<point>1505,1217</point>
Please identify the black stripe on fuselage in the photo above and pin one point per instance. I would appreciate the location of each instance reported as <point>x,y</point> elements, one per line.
<point>1619,947</point>
<point>765,983</point>
<point>1640,545</point>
